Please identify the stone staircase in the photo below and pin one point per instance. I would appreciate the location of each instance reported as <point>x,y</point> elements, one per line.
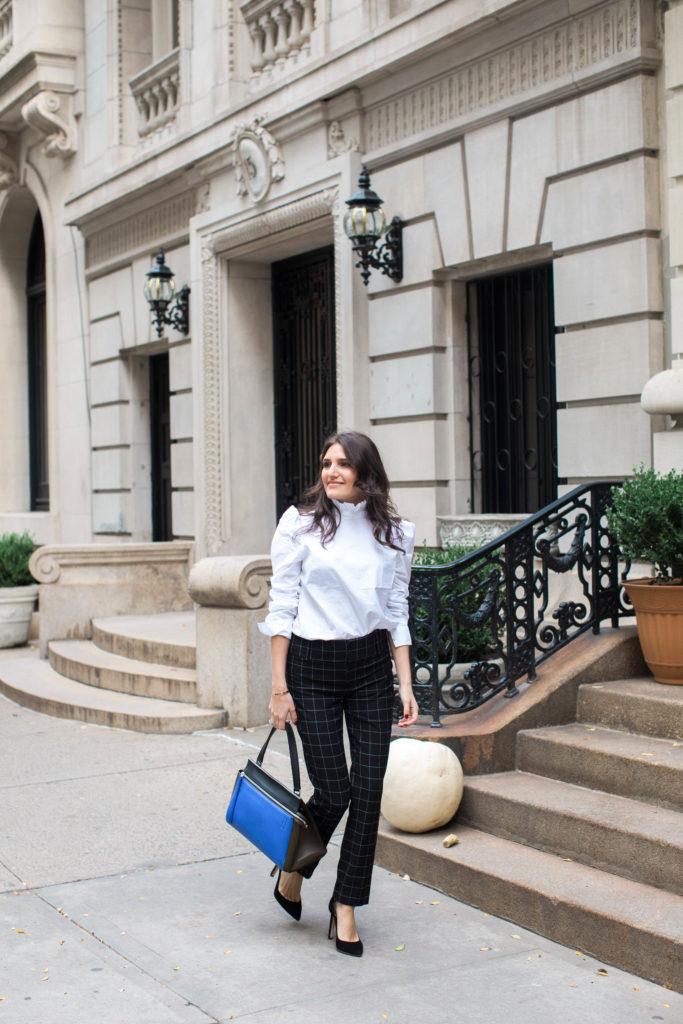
<point>137,672</point>
<point>583,840</point>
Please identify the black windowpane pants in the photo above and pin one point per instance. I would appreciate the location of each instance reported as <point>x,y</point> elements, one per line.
<point>330,680</point>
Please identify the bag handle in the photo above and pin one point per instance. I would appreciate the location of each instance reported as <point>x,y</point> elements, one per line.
<point>293,756</point>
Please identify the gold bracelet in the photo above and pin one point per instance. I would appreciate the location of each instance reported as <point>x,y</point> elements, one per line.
<point>279,693</point>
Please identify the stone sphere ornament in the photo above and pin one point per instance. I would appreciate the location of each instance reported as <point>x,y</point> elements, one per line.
<point>422,786</point>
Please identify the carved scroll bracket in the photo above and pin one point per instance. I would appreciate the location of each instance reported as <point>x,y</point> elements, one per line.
<point>50,114</point>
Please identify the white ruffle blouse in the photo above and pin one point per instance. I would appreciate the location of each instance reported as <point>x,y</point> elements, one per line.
<point>346,589</point>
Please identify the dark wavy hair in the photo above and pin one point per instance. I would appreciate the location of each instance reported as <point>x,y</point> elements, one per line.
<point>373,483</point>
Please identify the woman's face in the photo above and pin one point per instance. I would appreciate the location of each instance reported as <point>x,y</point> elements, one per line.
<point>338,475</point>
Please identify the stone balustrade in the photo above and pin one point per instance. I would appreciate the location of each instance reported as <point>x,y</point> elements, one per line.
<point>156,92</point>
<point>5,27</point>
<point>279,32</point>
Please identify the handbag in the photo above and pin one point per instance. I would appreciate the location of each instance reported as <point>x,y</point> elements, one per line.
<point>271,816</point>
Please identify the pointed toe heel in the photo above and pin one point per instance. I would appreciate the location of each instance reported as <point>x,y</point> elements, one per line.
<point>292,907</point>
<point>348,948</point>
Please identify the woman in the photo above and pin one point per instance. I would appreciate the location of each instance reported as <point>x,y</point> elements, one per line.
<point>339,598</point>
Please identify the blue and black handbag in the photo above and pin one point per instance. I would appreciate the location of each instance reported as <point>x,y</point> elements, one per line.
<point>271,816</point>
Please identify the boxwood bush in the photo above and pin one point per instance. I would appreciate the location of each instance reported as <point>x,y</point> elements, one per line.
<point>15,551</point>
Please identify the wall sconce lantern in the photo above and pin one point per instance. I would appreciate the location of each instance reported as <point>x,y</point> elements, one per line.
<point>159,291</point>
<point>364,224</point>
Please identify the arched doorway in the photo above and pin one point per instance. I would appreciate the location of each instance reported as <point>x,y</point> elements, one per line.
<point>37,369</point>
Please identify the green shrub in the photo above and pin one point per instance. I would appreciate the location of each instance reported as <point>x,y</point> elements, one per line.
<point>15,551</point>
<point>646,516</point>
<point>475,643</point>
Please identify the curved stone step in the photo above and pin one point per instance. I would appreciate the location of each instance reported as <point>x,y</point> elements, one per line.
<point>635,927</point>
<point>627,837</point>
<point>640,767</point>
<point>84,662</point>
<point>638,705</point>
<point>35,684</point>
<point>168,638</point>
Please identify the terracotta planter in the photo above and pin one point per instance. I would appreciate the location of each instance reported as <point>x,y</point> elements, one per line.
<point>659,616</point>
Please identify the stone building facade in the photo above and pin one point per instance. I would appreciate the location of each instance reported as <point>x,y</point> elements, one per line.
<point>534,153</point>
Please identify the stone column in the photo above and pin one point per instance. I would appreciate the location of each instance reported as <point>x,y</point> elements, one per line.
<point>233,657</point>
<point>663,393</point>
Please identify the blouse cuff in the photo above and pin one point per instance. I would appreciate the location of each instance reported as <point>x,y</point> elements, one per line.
<point>271,627</point>
<point>401,636</point>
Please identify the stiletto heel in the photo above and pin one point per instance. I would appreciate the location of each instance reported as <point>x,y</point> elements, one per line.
<point>349,948</point>
<point>292,907</point>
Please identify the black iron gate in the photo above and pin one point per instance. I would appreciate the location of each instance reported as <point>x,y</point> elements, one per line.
<point>160,441</point>
<point>37,370</point>
<point>513,431</point>
<point>304,369</point>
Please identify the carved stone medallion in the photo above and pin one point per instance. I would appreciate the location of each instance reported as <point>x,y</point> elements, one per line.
<point>258,159</point>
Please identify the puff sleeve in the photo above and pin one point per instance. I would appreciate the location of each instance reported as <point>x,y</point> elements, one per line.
<point>397,605</point>
<point>286,554</point>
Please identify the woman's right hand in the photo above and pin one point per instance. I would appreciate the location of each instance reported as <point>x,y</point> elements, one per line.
<point>281,706</point>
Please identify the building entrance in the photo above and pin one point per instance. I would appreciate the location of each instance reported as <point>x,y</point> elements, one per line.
<point>37,370</point>
<point>304,369</point>
<point>513,422</point>
<point>160,443</point>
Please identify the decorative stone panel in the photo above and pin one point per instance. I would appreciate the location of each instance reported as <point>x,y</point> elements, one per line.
<point>552,59</point>
<point>475,530</point>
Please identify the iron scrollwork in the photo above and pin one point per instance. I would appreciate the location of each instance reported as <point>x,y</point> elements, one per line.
<point>527,594</point>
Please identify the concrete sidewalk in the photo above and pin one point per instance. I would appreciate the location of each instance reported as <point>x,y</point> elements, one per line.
<point>125,899</point>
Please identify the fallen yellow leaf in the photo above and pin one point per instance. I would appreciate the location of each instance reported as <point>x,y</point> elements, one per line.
<point>434,903</point>
<point>515,936</point>
<point>602,972</point>
<point>645,754</point>
<point>484,948</point>
<point>399,949</point>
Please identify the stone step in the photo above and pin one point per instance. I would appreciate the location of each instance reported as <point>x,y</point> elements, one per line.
<point>166,639</point>
<point>84,662</point>
<point>613,833</point>
<point>640,767</point>
<point>35,684</point>
<point>638,705</point>
<point>627,924</point>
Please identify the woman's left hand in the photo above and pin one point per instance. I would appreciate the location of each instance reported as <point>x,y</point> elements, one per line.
<point>407,698</point>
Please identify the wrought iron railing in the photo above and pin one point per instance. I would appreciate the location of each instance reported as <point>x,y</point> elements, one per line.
<point>528,594</point>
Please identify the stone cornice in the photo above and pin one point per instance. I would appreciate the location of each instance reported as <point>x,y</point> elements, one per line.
<point>584,47</point>
<point>453,90</point>
<point>34,73</point>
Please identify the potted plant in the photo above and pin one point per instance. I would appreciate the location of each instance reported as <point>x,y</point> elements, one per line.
<point>646,517</point>
<point>18,592</point>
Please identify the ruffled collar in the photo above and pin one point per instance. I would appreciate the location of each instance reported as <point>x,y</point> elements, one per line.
<point>347,508</point>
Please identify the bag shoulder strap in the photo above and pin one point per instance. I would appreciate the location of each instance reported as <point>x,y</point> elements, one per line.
<point>293,756</point>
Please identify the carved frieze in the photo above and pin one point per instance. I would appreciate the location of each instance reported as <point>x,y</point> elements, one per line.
<point>50,114</point>
<point>576,48</point>
<point>145,229</point>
